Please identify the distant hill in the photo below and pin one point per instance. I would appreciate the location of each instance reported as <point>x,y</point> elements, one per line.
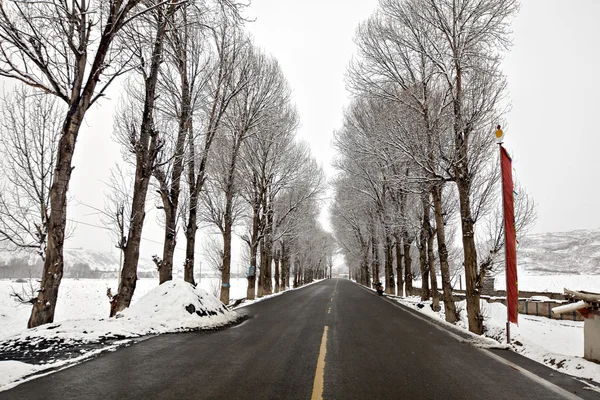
<point>79,263</point>
<point>560,253</point>
<point>103,261</point>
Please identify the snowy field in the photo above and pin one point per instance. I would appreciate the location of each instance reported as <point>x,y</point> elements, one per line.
<point>82,329</point>
<point>555,343</point>
<point>85,298</point>
<point>552,283</point>
<point>540,283</point>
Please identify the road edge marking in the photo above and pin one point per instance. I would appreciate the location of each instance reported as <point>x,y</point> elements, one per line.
<point>547,384</point>
<point>319,381</point>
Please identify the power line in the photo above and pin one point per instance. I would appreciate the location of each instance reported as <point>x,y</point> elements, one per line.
<point>88,224</point>
<point>109,229</point>
<point>143,238</point>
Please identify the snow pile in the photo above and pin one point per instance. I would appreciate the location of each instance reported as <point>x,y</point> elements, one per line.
<point>77,298</point>
<point>86,298</point>
<point>555,343</point>
<point>174,306</point>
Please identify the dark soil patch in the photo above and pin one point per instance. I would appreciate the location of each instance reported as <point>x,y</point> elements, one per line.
<point>39,351</point>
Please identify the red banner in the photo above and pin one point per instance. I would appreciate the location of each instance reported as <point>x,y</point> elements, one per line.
<point>512,290</point>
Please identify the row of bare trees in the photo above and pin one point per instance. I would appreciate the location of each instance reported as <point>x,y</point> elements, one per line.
<point>417,152</point>
<point>206,127</point>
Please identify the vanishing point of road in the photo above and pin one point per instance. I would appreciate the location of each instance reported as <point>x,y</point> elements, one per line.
<point>330,340</point>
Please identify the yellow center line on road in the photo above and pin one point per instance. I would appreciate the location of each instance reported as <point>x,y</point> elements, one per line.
<point>319,382</point>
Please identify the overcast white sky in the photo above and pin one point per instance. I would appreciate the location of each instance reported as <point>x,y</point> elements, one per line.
<point>553,83</point>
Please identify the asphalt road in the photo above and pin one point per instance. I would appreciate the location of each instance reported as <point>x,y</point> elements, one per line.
<point>333,338</point>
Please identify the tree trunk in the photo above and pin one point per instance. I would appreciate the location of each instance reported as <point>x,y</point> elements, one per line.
<point>400,283</point>
<point>190,235</point>
<point>251,290</point>
<point>285,267</point>
<point>226,265</point>
<point>389,264</point>
<point>228,220</point>
<point>268,245</point>
<point>146,150</point>
<point>45,304</point>
<point>375,259</point>
<point>131,253</point>
<point>268,277</point>
<point>435,295</point>
<point>423,234</point>
<point>196,179</point>
<point>191,227</point>
<point>407,265</point>
<point>165,270</point>
<point>261,275</point>
<point>365,265</point>
<point>463,183</point>
<point>277,276</point>
<point>171,196</point>
<point>449,306</point>
<point>253,243</point>
<point>424,267</point>
<point>470,260</point>
<point>297,274</point>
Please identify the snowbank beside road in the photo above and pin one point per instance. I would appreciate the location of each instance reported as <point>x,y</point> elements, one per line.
<point>177,306</point>
<point>86,298</point>
<point>174,306</point>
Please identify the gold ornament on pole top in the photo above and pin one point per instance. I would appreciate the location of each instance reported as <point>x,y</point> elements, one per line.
<point>499,135</point>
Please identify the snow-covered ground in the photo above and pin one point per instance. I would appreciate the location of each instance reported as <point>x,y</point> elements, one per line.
<point>552,283</point>
<point>541,283</point>
<point>82,311</point>
<point>555,343</point>
<point>85,298</point>
<point>82,328</point>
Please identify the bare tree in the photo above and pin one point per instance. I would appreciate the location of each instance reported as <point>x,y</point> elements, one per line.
<point>464,40</point>
<point>117,208</point>
<point>265,93</point>
<point>29,132</point>
<point>392,70</point>
<point>67,50</point>
<point>273,163</point>
<point>348,216</point>
<point>221,204</point>
<point>300,186</point>
<point>440,60</point>
<point>212,101</point>
<point>138,132</point>
<point>182,84</point>
<point>116,215</point>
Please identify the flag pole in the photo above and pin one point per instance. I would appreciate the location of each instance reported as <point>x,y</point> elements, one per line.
<point>499,138</point>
